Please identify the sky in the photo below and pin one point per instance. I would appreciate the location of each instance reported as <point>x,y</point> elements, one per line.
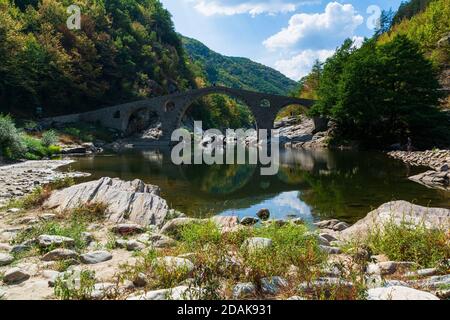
<point>288,35</point>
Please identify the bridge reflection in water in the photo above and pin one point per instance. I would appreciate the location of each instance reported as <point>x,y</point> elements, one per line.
<point>310,184</point>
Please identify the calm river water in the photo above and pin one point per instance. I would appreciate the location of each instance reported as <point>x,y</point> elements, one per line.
<point>312,185</point>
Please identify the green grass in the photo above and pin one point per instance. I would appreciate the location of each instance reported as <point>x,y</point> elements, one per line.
<point>196,235</point>
<point>66,287</point>
<point>405,242</point>
<point>73,228</point>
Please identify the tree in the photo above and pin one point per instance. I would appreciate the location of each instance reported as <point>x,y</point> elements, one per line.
<point>331,74</point>
<point>384,94</point>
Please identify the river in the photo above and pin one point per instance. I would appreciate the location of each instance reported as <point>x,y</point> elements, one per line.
<point>313,185</point>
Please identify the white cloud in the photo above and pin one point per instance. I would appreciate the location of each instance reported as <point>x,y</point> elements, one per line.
<point>300,65</point>
<point>357,41</point>
<point>252,7</point>
<point>339,21</point>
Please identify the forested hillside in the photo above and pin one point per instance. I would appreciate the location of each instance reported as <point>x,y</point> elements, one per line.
<point>125,50</point>
<point>236,72</point>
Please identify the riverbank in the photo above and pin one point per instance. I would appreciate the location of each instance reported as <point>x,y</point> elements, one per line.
<point>437,160</point>
<point>113,239</point>
<point>21,178</point>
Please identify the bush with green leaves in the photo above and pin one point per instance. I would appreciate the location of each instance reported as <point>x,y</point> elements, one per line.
<point>49,138</point>
<point>11,143</point>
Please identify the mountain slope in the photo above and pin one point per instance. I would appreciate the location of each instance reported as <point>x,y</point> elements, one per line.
<point>236,72</point>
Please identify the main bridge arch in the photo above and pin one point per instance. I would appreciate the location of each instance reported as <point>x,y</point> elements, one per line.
<point>264,107</point>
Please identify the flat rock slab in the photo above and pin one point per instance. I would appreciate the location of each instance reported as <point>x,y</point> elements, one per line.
<point>398,212</point>
<point>95,257</point>
<point>399,293</point>
<point>132,201</point>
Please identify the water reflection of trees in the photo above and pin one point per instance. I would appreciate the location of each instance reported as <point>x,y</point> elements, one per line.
<point>344,185</point>
<point>220,179</point>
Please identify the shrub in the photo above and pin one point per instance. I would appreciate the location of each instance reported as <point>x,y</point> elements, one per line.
<point>406,242</point>
<point>196,235</point>
<point>11,144</point>
<point>49,138</point>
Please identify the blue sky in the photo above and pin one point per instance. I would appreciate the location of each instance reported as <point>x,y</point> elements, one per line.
<point>288,35</point>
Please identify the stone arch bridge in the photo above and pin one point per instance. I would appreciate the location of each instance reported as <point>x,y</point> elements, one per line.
<point>170,109</point>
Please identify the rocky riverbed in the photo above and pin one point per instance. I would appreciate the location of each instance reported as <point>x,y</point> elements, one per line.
<point>21,178</point>
<point>114,239</point>
<point>437,160</point>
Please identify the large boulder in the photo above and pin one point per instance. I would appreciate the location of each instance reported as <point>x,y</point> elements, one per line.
<point>126,200</point>
<point>398,212</point>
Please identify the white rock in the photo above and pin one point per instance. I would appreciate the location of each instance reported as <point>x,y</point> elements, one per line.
<point>5,259</point>
<point>398,212</point>
<point>102,290</point>
<point>399,293</point>
<point>177,293</point>
<point>127,200</point>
